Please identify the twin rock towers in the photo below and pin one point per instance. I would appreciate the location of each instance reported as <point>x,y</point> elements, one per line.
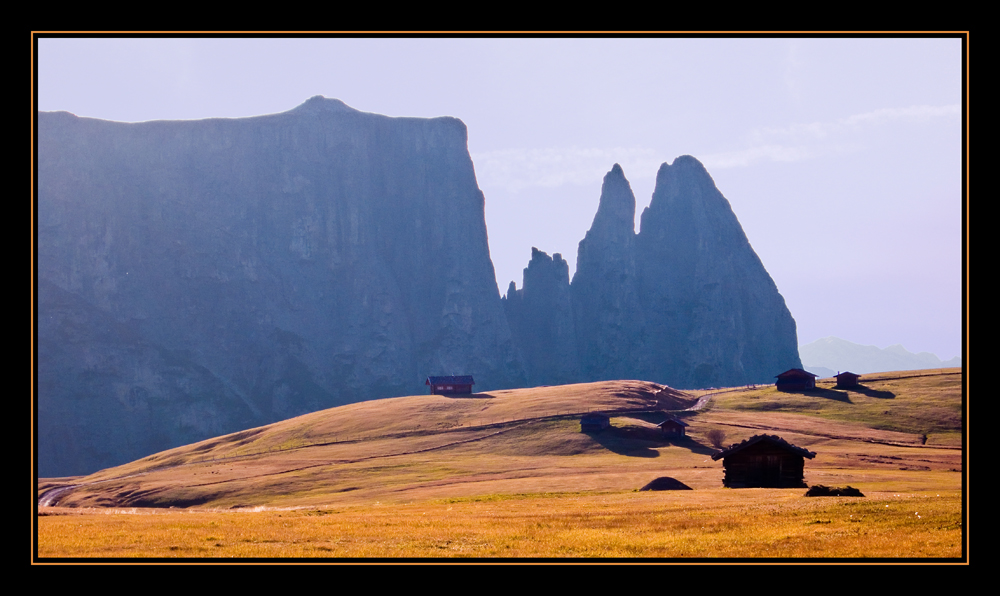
<point>685,302</point>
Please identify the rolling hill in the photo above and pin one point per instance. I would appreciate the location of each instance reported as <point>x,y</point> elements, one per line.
<point>528,441</point>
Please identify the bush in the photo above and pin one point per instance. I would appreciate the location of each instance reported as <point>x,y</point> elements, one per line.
<point>716,437</point>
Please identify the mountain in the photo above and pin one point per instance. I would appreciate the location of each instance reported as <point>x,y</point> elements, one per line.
<point>540,315</point>
<point>713,314</point>
<point>685,302</point>
<point>202,277</point>
<point>833,353</point>
<point>605,288</point>
<point>196,278</point>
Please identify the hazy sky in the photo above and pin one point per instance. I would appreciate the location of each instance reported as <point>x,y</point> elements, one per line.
<point>842,158</point>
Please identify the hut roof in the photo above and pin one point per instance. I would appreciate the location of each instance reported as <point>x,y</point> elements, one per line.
<point>847,373</point>
<point>795,373</point>
<point>674,421</point>
<point>594,416</point>
<point>774,439</point>
<point>460,380</point>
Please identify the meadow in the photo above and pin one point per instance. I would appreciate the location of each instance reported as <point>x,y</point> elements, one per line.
<point>508,475</point>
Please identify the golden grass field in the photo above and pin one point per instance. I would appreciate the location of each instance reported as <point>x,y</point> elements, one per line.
<point>508,474</point>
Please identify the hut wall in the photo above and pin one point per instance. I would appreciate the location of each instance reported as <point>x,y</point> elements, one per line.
<point>450,389</point>
<point>672,430</point>
<point>593,424</point>
<point>847,380</point>
<point>764,465</point>
<point>796,385</point>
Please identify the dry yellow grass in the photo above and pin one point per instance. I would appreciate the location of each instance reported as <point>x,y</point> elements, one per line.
<point>713,523</point>
<point>509,474</point>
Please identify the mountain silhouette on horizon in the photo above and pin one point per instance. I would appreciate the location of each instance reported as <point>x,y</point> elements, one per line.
<point>831,355</point>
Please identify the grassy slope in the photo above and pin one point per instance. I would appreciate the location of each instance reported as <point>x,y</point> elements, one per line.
<point>509,474</point>
<point>922,402</point>
<point>528,441</point>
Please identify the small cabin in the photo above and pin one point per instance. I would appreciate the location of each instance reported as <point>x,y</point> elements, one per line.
<point>594,423</point>
<point>672,427</point>
<point>764,461</point>
<point>455,385</point>
<point>847,379</point>
<point>795,379</point>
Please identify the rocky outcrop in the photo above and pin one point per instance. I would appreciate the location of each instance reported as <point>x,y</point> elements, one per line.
<point>201,277</point>
<point>540,315</point>
<point>685,302</point>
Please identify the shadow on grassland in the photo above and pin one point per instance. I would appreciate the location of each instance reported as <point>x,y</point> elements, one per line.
<point>637,441</point>
<point>840,396</point>
<point>467,395</point>
<point>872,392</point>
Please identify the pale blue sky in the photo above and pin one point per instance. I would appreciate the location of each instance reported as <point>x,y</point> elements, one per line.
<point>842,158</point>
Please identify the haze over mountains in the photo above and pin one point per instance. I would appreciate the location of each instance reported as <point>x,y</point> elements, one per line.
<point>201,277</point>
<point>831,355</point>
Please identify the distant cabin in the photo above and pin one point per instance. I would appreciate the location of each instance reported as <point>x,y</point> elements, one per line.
<point>765,461</point>
<point>594,423</point>
<point>795,379</point>
<point>672,427</point>
<point>450,385</point>
<point>847,379</point>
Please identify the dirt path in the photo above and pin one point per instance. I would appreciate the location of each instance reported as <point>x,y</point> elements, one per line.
<point>704,399</point>
<point>48,498</point>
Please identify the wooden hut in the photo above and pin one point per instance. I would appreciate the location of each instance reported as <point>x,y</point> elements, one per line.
<point>455,385</point>
<point>671,427</point>
<point>766,461</point>
<point>594,422</point>
<point>847,379</point>
<point>795,379</point>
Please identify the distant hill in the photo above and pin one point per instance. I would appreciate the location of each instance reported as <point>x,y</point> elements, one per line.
<point>528,441</point>
<point>830,355</point>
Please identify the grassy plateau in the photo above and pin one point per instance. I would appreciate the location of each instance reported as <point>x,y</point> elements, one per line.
<point>508,474</point>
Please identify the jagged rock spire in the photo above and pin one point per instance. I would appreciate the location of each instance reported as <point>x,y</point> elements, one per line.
<point>615,216</point>
<point>704,287</point>
<point>607,313</point>
<point>540,315</point>
<point>686,302</point>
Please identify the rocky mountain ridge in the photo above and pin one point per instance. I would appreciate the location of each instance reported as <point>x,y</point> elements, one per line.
<point>197,278</point>
<point>685,302</point>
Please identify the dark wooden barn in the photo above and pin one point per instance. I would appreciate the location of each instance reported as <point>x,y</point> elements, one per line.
<point>450,385</point>
<point>847,379</point>
<point>795,379</point>
<point>765,461</point>
<point>671,427</point>
<point>595,422</point>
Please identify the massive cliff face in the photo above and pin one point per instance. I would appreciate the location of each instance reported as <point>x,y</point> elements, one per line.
<point>685,302</point>
<point>201,277</point>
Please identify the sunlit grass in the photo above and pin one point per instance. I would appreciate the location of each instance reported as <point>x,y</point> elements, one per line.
<point>927,405</point>
<point>719,523</point>
<point>536,487</point>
